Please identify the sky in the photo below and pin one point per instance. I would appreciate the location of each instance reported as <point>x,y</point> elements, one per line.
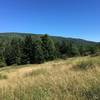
<point>67,18</point>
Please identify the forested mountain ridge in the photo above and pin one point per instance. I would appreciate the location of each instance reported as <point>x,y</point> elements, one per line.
<point>28,48</point>
<point>57,38</point>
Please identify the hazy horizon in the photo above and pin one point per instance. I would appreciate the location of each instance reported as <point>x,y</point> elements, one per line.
<point>51,35</point>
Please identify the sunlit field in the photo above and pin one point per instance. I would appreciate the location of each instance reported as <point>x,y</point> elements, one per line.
<point>71,79</point>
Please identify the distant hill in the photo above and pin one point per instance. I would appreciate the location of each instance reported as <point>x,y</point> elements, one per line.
<point>9,35</point>
<point>19,48</point>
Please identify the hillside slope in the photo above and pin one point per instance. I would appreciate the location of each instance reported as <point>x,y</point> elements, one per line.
<point>36,36</point>
<point>54,80</point>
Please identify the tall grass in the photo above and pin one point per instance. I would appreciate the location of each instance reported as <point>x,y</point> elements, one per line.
<point>85,64</point>
<point>55,83</point>
<point>2,76</point>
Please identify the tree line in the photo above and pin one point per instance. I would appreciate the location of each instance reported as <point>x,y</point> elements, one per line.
<point>29,51</point>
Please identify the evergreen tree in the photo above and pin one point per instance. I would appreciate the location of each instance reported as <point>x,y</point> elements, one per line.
<point>92,49</point>
<point>57,46</point>
<point>9,56</point>
<point>70,49</point>
<point>19,51</point>
<point>63,47</point>
<point>27,51</point>
<point>11,52</point>
<point>2,62</point>
<point>48,47</point>
<point>82,50</point>
<point>1,53</point>
<point>74,50</point>
<point>38,52</point>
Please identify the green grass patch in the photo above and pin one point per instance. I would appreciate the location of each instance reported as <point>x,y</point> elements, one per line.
<point>2,76</point>
<point>85,64</point>
<point>2,64</point>
<point>36,72</point>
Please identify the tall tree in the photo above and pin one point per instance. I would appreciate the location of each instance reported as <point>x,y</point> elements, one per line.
<point>82,50</point>
<point>19,52</point>
<point>48,47</point>
<point>92,49</point>
<point>12,52</point>
<point>74,50</point>
<point>69,49</point>
<point>57,46</point>
<point>9,56</point>
<point>27,50</point>
<point>38,52</point>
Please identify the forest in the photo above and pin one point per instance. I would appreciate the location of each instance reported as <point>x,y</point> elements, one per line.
<point>20,49</point>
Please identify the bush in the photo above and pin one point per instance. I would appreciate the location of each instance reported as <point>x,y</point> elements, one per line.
<point>85,64</point>
<point>36,72</point>
<point>2,64</point>
<point>93,91</point>
<point>3,76</point>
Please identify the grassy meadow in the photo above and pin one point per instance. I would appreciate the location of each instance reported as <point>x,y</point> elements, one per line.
<point>75,78</point>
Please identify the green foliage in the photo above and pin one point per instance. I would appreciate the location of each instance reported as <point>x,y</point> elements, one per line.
<point>38,52</point>
<point>74,50</point>
<point>27,50</point>
<point>12,52</point>
<point>92,50</point>
<point>9,56</point>
<point>21,49</point>
<point>2,64</point>
<point>93,91</point>
<point>82,50</point>
<point>64,48</point>
<point>85,64</point>
<point>36,72</point>
<point>3,76</point>
<point>69,49</point>
<point>57,52</point>
<point>48,47</point>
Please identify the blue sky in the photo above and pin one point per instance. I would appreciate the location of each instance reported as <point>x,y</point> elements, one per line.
<point>68,18</point>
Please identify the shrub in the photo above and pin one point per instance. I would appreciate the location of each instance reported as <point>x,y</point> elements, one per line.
<point>3,76</point>
<point>36,72</point>
<point>85,64</point>
<point>2,64</point>
<point>92,92</point>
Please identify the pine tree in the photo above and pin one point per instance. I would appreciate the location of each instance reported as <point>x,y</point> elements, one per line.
<point>38,52</point>
<point>92,49</point>
<point>11,52</point>
<point>57,46</point>
<point>48,47</point>
<point>74,50</point>
<point>1,52</point>
<point>82,50</point>
<point>2,62</point>
<point>9,56</point>
<point>19,51</point>
<point>64,48</point>
<point>69,49</point>
<point>27,51</point>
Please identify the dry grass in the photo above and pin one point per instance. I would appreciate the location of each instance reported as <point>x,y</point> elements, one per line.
<point>56,80</point>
